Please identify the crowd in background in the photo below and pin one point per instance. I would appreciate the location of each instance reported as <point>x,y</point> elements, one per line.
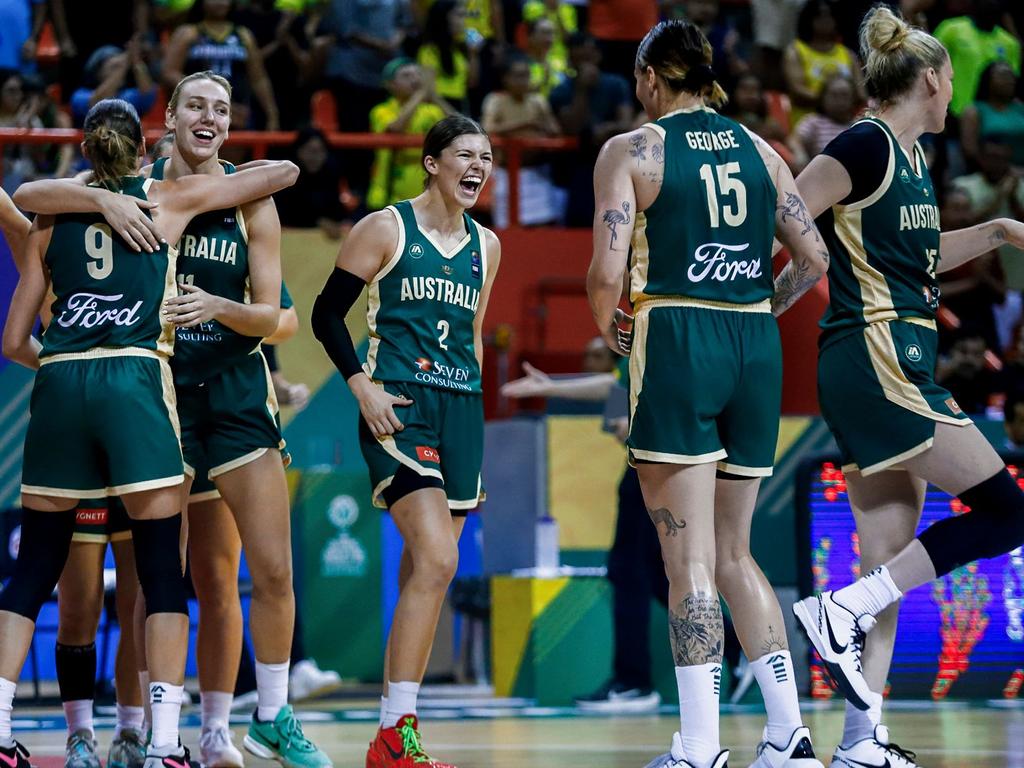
<point>539,68</point>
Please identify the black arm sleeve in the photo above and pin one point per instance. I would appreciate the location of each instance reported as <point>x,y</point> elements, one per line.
<point>339,294</point>
<point>863,151</point>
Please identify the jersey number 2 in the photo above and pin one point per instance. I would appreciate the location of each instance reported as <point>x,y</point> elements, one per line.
<point>442,326</point>
<point>727,185</point>
<point>100,248</point>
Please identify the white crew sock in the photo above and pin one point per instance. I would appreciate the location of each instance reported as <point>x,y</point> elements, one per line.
<point>165,703</point>
<point>7,689</point>
<point>216,709</point>
<point>129,718</point>
<point>401,701</point>
<point>699,689</point>
<point>860,725</point>
<point>383,709</point>
<point>78,713</point>
<point>147,712</point>
<point>774,675</point>
<point>870,594</point>
<point>271,689</point>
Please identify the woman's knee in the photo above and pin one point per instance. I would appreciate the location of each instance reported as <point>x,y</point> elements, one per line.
<point>436,567</point>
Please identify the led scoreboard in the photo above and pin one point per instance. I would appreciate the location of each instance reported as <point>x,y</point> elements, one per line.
<point>961,637</point>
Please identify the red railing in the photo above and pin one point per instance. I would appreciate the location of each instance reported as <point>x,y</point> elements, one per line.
<point>259,141</point>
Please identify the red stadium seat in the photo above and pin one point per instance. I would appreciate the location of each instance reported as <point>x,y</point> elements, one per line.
<point>324,111</point>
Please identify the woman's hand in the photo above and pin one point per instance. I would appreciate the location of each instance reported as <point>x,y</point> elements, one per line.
<point>377,406</point>
<point>619,333</point>
<point>535,383</point>
<point>191,307</point>
<point>127,217</point>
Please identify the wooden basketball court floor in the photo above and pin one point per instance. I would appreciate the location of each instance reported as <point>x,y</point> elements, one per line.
<point>949,735</point>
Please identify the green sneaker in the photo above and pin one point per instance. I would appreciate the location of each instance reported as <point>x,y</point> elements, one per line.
<point>128,750</point>
<point>284,741</point>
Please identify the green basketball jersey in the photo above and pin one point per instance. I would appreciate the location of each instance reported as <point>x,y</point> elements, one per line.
<point>213,254</point>
<point>708,234</point>
<point>106,294</point>
<point>421,308</point>
<point>884,249</point>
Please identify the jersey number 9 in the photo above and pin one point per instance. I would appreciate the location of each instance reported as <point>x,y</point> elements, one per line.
<point>100,248</point>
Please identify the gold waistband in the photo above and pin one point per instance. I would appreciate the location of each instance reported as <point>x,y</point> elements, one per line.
<point>98,353</point>
<point>650,302</point>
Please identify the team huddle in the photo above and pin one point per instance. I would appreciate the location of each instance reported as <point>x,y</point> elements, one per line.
<point>158,285</point>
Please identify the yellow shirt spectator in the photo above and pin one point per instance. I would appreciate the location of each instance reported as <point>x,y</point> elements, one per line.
<point>398,173</point>
<point>454,86</point>
<point>563,16</point>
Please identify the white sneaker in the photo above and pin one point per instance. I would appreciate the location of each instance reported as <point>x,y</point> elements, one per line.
<point>796,753</point>
<point>307,681</point>
<point>216,749</point>
<point>676,757</point>
<point>838,637</point>
<point>874,752</point>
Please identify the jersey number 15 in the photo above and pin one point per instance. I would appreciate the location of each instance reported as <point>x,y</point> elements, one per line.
<point>727,186</point>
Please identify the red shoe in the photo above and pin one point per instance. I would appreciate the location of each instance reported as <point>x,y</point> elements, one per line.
<point>399,747</point>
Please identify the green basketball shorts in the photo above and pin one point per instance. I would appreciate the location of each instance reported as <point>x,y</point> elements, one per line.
<point>878,394</point>
<point>443,438</point>
<point>229,420</point>
<point>103,423</point>
<point>705,386</point>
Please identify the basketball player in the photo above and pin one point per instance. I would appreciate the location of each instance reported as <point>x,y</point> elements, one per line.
<point>429,268</point>
<point>705,369</point>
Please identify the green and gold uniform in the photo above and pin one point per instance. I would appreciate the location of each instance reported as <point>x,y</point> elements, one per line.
<point>226,400</point>
<point>422,305</point>
<point>876,366</point>
<point>102,521</point>
<point>706,364</point>
<point>103,418</point>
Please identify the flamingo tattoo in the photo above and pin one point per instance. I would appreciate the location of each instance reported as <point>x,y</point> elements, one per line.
<point>612,218</point>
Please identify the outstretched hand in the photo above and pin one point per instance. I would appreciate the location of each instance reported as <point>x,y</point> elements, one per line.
<point>535,383</point>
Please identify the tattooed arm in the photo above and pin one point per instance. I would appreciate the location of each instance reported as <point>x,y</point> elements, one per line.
<point>961,245</point>
<point>615,210</point>
<point>795,227</point>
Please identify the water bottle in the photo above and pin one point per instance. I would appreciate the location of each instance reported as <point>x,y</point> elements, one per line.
<point>547,553</point>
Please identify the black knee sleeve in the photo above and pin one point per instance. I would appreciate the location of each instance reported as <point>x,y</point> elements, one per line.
<point>993,527</point>
<point>76,671</point>
<point>42,553</point>
<point>406,481</point>
<point>158,563</point>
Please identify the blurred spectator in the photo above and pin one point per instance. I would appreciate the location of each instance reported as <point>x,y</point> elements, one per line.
<point>546,71</point>
<point>748,105</point>
<point>774,27</point>
<point>21,22</point>
<point>963,371</point>
<point>728,59</point>
<point>973,290</point>
<point>974,41</point>
<point>618,26</point>
<point>82,27</point>
<point>837,106</point>
<point>995,190</point>
<point>25,104</point>
<point>486,18</point>
<point>413,108</point>
<point>816,55</point>
<point>214,42</point>
<point>362,38</point>
<point>563,16</point>
<point>314,200</point>
<point>452,56</point>
<point>1013,413</point>
<point>850,14</point>
<point>111,73</point>
<point>997,110</point>
<point>516,111</point>
<point>592,105</point>
<point>286,48</point>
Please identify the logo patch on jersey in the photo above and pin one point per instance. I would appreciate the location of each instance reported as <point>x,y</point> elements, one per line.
<point>424,364</point>
<point>718,261</point>
<point>91,517</point>
<point>913,353</point>
<point>423,453</point>
<point>83,309</point>
<point>446,269</point>
<point>953,406</point>
<point>439,374</point>
<point>474,263</point>
<point>904,175</point>
<point>416,251</point>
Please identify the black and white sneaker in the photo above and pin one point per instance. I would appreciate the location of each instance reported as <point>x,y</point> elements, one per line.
<point>795,753</point>
<point>178,758</point>
<point>676,757</point>
<point>874,752</point>
<point>838,637</point>
<point>14,756</point>
<point>613,698</point>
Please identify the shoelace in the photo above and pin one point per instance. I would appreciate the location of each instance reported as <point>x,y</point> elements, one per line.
<point>858,645</point>
<point>295,737</point>
<point>218,738</point>
<point>411,743</point>
<point>79,745</point>
<point>906,754</point>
